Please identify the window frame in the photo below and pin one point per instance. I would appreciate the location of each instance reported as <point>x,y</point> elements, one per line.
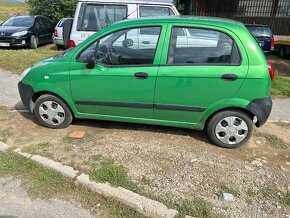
<point>83,10</point>
<point>203,64</point>
<point>128,65</point>
<point>156,6</point>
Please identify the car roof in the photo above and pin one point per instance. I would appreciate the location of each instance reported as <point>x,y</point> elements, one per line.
<point>185,19</point>
<point>256,25</point>
<point>159,2</point>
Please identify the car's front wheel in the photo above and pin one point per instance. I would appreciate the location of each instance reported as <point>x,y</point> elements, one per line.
<point>52,112</point>
<point>33,42</point>
<point>230,129</point>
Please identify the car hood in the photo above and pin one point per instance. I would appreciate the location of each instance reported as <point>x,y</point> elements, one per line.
<point>9,30</point>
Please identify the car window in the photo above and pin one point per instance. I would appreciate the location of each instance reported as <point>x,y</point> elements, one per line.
<point>97,17</point>
<point>19,22</point>
<point>260,31</point>
<point>151,11</point>
<point>201,46</point>
<point>125,47</point>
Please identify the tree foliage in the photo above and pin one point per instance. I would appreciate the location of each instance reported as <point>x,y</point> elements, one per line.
<point>53,9</point>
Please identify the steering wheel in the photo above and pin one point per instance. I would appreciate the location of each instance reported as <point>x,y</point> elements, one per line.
<point>114,51</point>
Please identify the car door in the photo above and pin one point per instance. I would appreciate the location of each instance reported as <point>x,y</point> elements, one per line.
<point>38,29</point>
<point>123,80</point>
<point>197,76</point>
<point>47,30</point>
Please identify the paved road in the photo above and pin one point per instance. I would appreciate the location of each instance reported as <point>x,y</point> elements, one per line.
<point>9,97</point>
<point>16,203</point>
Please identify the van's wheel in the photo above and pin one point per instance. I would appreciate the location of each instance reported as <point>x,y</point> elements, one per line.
<point>230,129</point>
<point>52,112</point>
<point>33,42</point>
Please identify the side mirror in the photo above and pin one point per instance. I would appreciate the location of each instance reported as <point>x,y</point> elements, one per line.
<point>90,62</point>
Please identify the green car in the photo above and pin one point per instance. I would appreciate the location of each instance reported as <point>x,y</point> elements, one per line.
<point>189,72</point>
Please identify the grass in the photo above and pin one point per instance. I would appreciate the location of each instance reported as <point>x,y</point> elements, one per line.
<point>17,60</point>
<point>8,9</point>
<point>280,86</point>
<point>34,148</point>
<point>4,135</point>
<point>46,183</point>
<point>273,140</point>
<point>227,188</point>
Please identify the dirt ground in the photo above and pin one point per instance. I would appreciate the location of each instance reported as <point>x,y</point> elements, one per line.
<point>172,163</point>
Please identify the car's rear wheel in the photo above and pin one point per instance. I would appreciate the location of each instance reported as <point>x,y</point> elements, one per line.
<point>52,112</point>
<point>282,52</point>
<point>230,129</point>
<point>33,42</point>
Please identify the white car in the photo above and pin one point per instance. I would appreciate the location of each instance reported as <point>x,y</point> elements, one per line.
<point>58,33</point>
<point>94,15</point>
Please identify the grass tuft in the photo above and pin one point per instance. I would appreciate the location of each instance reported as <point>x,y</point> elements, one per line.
<point>273,140</point>
<point>227,188</point>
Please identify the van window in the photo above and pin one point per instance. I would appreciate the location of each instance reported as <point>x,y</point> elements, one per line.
<point>151,11</point>
<point>200,46</point>
<point>97,17</point>
<point>125,47</point>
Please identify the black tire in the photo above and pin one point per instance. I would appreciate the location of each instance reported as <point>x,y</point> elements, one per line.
<point>33,42</point>
<point>282,52</point>
<point>231,130</point>
<point>60,118</point>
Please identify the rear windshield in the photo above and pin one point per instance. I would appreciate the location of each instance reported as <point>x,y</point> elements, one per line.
<point>19,22</point>
<point>97,17</point>
<point>260,31</point>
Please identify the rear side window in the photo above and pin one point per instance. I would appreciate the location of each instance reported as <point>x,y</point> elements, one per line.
<point>260,31</point>
<point>193,46</point>
<point>151,11</point>
<point>60,24</point>
<point>97,17</point>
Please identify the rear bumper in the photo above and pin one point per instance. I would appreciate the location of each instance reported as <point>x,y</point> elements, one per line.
<point>26,92</point>
<point>58,41</point>
<point>261,108</point>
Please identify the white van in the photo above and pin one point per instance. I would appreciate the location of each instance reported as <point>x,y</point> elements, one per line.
<point>94,15</point>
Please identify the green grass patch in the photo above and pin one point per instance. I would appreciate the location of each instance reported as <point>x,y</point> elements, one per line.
<point>17,60</point>
<point>9,9</point>
<point>227,188</point>
<point>273,140</point>
<point>281,86</point>
<point>283,124</point>
<point>4,135</point>
<point>34,149</point>
<point>107,171</point>
<point>45,183</point>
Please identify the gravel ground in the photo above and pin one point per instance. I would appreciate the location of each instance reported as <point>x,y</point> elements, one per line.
<point>172,163</point>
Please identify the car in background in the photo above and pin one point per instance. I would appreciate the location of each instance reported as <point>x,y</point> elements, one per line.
<point>92,16</point>
<point>219,81</point>
<point>25,31</point>
<point>58,33</point>
<point>264,37</point>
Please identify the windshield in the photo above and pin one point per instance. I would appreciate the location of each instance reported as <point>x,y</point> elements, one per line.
<point>19,22</point>
<point>260,31</point>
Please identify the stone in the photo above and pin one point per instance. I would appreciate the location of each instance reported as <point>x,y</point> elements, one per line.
<point>259,142</point>
<point>283,168</point>
<point>228,197</point>
<point>3,146</point>
<point>77,134</point>
<point>257,163</point>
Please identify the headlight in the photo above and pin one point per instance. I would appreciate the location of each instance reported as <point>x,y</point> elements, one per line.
<point>22,33</point>
<point>25,72</point>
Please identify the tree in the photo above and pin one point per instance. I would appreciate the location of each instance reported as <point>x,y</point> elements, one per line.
<point>53,9</point>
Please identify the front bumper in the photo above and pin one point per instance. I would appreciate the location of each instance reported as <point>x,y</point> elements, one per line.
<point>10,41</point>
<point>26,92</point>
<point>261,108</point>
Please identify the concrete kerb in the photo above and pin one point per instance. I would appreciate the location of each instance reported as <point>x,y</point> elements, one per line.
<point>146,206</point>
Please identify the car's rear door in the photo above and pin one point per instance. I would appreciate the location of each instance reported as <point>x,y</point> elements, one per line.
<point>198,73</point>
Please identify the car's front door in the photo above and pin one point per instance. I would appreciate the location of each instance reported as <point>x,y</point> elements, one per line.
<point>122,82</point>
<point>198,72</point>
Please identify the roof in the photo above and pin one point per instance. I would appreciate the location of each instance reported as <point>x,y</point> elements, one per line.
<point>149,2</point>
<point>256,25</point>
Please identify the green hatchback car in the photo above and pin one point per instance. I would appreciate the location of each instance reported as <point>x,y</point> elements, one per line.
<point>190,72</point>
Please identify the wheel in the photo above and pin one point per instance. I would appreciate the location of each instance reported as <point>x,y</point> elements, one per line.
<point>52,112</point>
<point>33,42</point>
<point>282,52</point>
<point>230,129</point>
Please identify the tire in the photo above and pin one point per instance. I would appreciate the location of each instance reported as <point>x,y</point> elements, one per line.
<point>33,42</point>
<point>52,112</point>
<point>230,129</point>
<point>282,52</point>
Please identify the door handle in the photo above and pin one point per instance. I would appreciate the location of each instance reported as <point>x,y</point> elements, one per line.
<point>229,77</point>
<point>141,75</point>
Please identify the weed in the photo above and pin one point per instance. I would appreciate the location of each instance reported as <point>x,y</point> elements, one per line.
<point>227,188</point>
<point>4,135</point>
<point>35,149</point>
<point>273,140</point>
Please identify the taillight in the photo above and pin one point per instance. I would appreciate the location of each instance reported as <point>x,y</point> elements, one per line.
<point>72,44</point>
<point>272,41</point>
<point>55,33</point>
<point>271,70</point>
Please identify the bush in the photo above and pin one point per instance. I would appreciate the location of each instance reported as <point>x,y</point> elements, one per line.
<point>53,9</point>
